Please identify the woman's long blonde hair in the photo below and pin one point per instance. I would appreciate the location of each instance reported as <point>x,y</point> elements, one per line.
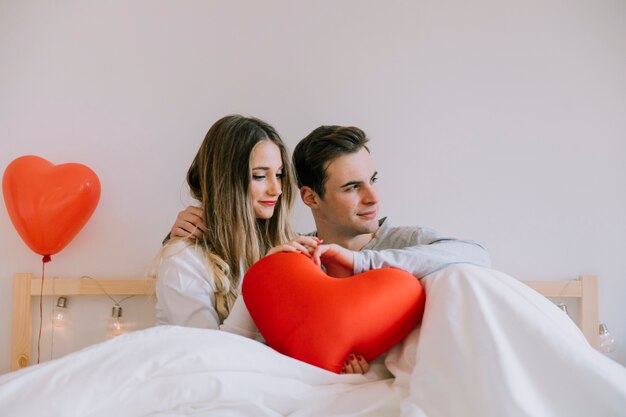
<point>219,179</point>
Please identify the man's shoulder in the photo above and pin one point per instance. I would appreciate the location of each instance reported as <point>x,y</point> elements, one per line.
<point>388,236</point>
<point>387,227</point>
<point>394,236</point>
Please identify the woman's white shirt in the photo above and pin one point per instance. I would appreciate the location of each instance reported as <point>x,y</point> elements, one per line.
<point>185,290</point>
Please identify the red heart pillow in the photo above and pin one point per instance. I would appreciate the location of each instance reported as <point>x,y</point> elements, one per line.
<point>308,315</point>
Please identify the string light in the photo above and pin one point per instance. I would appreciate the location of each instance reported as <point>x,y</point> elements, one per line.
<point>116,325</point>
<point>607,341</point>
<point>60,314</point>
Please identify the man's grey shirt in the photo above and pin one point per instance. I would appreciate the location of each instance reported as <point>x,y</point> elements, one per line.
<point>418,250</point>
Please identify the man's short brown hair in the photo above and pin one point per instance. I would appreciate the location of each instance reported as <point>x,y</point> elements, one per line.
<point>315,152</point>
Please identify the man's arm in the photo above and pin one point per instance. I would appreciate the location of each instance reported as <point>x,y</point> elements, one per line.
<point>421,260</point>
<point>188,224</point>
<point>417,250</point>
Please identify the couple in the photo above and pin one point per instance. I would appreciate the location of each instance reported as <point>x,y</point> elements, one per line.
<point>244,184</point>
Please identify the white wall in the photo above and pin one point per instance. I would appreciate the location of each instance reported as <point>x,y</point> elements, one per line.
<point>502,121</point>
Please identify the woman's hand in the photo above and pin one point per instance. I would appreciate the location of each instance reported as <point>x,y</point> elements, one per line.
<point>305,245</point>
<point>189,224</point>
<point>355,364</point>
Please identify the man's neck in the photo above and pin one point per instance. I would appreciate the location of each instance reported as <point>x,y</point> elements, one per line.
<point>354,243</point>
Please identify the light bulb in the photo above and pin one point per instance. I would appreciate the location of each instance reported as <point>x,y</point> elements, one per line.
<point>563,307</point>
<point>116,324</point>
<point>60,314</point>
<point>607,342</point>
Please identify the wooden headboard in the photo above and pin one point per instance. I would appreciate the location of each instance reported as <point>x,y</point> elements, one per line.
<point>585,288</point>
<point>26,286</point>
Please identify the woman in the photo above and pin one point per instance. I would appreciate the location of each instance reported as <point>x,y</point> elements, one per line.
<point>242,179</point>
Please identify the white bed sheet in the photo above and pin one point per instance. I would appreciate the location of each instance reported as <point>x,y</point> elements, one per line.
<point>488,346</point>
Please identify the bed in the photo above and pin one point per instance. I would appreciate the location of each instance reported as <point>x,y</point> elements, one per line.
<point>488,345</point>
<point>583,289</point>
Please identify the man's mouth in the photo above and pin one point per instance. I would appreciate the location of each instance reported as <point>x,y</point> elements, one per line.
<point>368,214</point>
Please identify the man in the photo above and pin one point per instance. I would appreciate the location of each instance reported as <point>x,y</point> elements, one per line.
<point>337,181</point>
<point>485,336</point>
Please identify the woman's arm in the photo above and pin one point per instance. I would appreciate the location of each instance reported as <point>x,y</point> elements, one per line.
<point>239,320</point>
<point>184,288</point>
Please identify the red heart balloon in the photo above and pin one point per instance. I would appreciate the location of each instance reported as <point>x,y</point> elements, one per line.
<point>308,315</point>
<point>49,204</point>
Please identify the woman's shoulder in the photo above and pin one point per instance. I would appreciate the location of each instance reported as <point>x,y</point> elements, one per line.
<point>182,262</point>
<point>181,247</point>
<point>181,254</point>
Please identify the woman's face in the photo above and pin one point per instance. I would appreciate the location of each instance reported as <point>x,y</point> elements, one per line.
<point>266,174</point>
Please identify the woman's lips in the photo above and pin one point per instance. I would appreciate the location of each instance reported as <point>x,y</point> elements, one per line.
<point>269,202</point>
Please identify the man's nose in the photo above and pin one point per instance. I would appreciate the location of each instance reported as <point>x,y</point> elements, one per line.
<point>370,195</point>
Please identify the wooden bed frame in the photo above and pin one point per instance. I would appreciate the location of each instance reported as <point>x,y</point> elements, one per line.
<point>26,286</point>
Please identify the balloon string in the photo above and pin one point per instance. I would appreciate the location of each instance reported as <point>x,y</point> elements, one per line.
<point>44,261</point>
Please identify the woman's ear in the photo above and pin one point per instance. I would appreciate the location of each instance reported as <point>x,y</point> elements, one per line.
<point>309,197</point>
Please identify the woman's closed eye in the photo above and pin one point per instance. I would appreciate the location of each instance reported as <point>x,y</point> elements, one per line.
<point>280,176</point>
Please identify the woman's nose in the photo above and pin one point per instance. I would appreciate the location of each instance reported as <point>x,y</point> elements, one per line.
<point>274,187</point>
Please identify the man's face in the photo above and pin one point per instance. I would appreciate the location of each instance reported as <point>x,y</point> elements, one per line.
<point>350,203</point>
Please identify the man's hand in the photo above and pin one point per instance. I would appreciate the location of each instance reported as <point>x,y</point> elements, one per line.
<point>338,261</point>
<point>189,223</point>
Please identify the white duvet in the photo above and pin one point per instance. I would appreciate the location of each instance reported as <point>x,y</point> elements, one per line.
<point>488,346</point>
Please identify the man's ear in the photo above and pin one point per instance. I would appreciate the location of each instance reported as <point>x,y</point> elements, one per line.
<point>309,197</point>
